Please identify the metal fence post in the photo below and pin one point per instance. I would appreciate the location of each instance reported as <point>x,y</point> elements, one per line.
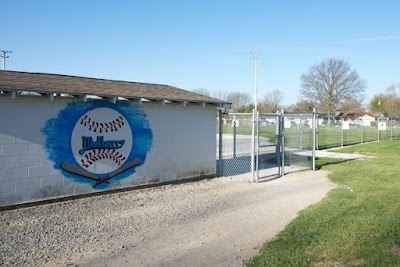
<point>278,141</point>
<point>377,127</point>
<point>220,144</point>
<point>342,132</point>
<point>283,141</point>
<point>257,144</point>
<point>301,133</point>
<point>313,139</point>
<point>362,125</point>
<point>391,128</point>
<point>253,147</point>
<point>234,138</point>
<point>317,134</point>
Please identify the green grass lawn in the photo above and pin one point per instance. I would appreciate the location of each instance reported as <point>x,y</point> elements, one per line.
<point>332,136</point>
<point>358,224</point>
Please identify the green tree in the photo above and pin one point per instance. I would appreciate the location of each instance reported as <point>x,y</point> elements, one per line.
<point>249,108</point>
<point>388,104</point>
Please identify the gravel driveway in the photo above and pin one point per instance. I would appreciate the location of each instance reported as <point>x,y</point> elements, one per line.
<point>218,222</point>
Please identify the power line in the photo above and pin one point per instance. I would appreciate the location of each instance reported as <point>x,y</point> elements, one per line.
<point>4,56</point>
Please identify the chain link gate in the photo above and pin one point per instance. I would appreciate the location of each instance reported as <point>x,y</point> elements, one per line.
<point>268,147</point>
<point>299,141</point>
<point>261,147</point>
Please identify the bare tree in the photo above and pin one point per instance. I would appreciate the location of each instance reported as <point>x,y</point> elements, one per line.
<point>329,82</point>
<point>201,91</point>
<point>272,101</point>
<point>301,106</point>
<point>349,103</point>
<point>393,101</point>
<point>392,89</point>
<point>239,101</point>
<point>220,95</point>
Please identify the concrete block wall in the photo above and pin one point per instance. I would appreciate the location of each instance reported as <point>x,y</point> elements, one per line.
<point>24,171</point>
<point>183,147</point>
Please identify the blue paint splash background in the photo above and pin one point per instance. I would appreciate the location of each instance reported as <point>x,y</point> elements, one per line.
<point>58,132</point>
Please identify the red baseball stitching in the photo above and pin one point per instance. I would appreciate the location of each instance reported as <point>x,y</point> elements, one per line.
<point>101,127</point>
<point>102,153</point>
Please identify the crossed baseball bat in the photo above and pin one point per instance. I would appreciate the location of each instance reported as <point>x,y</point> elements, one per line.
<point>68,167</point>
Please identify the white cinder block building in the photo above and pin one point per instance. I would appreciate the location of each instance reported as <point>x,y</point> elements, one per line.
<point>66,136</point>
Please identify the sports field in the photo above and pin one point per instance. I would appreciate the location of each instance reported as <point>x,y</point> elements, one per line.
<point>335,136</point>
<point>326,137</point>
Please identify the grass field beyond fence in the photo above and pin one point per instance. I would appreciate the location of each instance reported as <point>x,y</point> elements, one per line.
<point>326,137</point>
<point>335,136</point>
<point>357,224</point>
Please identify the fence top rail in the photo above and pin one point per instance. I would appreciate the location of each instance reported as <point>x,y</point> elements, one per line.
<point>299,112</point>
<point>273,114</point>
<point>296,116</point>
<point>240,114</point>
<point>269,114</point>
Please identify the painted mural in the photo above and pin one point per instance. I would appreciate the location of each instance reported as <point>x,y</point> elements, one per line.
<point>98,142</point>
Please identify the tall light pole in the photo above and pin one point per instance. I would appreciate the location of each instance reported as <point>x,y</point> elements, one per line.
<point>255,57</point>
<point>4,52</point>
<point>254,129</point>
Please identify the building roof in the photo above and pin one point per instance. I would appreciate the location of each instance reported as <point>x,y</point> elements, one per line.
<point>376,114</point>
<point>355,112</point>
<point>46,83</point>
<point>361,112</point>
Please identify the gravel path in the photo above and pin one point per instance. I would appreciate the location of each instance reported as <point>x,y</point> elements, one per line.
<point>217,222</point>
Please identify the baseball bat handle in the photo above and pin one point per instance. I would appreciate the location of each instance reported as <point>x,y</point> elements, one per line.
<point>68,167</point>
<point>132,163</point>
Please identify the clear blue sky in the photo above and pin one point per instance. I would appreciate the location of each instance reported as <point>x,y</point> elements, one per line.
<point>202,43</point>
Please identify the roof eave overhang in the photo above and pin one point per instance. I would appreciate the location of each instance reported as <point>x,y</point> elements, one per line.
<point>220,104</point>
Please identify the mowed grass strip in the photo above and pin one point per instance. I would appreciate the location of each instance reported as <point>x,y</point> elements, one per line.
<point>357,224</point>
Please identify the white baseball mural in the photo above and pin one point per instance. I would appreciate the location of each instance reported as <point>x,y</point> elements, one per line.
<point>101,140</point>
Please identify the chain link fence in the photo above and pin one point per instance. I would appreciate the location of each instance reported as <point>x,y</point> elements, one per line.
<point>336,131</point>
<point>258,147</point>
<point>235,144</point>
<point>266,146</point>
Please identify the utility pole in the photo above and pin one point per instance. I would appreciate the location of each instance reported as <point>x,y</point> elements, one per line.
<point>4,52</point>
<point>255,57</point>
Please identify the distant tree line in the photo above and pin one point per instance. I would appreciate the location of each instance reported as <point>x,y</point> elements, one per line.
<point>387,103</point>
<point>242,102</point>
<point>330,86</point>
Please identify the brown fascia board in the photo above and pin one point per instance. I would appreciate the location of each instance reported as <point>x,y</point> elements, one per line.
<point>56,83</point>
<point>74,94</point>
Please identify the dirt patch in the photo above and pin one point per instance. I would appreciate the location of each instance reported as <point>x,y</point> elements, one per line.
<point>327,264</point>
<point>356,263</point>
<point>353,263</point>
<point>217,222</point>
<point>395,250</point>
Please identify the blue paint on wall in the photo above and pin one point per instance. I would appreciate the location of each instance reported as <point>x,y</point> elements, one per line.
<point>58,132</point>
